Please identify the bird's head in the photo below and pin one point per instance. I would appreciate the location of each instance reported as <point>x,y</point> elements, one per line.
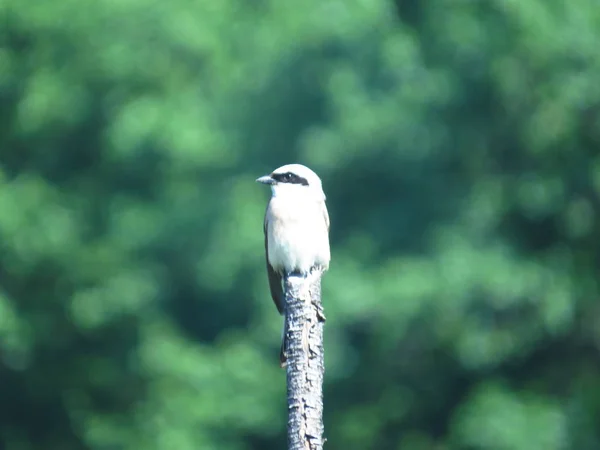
<point>294,179</point>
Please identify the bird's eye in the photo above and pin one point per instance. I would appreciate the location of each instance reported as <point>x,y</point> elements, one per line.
<point>288,176</point>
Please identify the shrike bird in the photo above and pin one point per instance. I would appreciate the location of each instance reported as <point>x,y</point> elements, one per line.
<point>296,229</point>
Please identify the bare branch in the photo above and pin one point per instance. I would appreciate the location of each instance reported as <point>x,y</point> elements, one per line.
<point>304,335</point>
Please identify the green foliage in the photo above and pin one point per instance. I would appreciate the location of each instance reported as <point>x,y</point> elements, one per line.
<point>457,142</point>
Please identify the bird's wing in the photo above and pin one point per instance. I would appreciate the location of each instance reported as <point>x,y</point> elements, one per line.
<point>274,278</point>
<point>325,215</point>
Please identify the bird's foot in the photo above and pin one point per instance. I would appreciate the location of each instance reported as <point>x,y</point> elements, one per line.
<point>316,269</point>
<point>295,273</point>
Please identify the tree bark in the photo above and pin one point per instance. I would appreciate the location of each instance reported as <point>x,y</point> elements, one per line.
<point>304,321</point>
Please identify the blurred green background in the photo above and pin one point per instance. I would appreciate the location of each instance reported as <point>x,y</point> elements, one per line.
<point>458,143</point>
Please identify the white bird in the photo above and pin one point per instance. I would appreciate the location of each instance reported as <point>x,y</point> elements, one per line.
<point>296,229</point>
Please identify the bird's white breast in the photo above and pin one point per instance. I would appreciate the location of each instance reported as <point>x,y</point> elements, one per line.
<point>297,234</point>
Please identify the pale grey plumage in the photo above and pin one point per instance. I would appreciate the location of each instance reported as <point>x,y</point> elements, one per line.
<point>296,228</point>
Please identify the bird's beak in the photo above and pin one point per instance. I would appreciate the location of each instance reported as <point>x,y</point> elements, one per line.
<point>266,180</point>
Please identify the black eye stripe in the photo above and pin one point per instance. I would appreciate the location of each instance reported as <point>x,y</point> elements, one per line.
<point>290,178</point>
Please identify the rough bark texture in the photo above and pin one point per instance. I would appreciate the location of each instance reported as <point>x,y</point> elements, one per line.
<point>304,327</point>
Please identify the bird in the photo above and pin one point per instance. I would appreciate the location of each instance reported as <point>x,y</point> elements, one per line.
<point>296,230</point>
